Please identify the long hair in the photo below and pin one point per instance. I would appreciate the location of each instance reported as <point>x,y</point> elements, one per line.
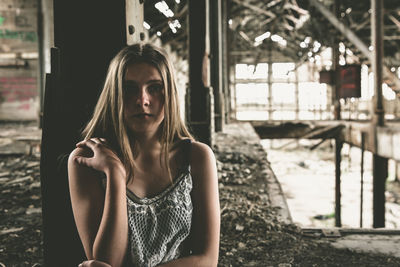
<point>108,118</point>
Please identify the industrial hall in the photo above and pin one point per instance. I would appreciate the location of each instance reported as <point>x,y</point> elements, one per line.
<point>199,133</point>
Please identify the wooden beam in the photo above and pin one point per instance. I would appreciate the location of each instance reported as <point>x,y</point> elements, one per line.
<point>296,8</point>
<point>389,77</point>
<point>255,8</point>
<point>394,20</point>
<point>387,141</point>
<point>361,25</point>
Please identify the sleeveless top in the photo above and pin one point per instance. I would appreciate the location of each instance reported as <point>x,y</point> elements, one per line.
<point>160,225</point>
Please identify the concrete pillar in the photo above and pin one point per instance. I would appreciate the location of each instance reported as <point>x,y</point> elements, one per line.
<point>134,21</point>
<point>46,41</point>
<point>200,97</point>
<point>87,35</point>
<point>216,65</point>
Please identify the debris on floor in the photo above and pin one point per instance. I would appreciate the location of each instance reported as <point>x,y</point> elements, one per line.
<point>251,233</point>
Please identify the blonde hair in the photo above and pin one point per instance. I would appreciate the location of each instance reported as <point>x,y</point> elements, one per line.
<point>108,118</point>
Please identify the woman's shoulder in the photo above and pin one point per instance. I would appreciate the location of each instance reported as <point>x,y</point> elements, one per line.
<point>80,169</point>
<point>201,148</point>
<point>201,155</point>
<point>79,152</point>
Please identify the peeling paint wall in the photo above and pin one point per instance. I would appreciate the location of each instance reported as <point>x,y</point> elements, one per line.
<point>19,94</point>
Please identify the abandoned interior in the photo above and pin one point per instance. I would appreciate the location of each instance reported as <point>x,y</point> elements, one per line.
<point>299,100</point>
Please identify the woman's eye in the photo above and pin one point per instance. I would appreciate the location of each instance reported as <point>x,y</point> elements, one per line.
<point>155,88</point>
<point>130,89</point>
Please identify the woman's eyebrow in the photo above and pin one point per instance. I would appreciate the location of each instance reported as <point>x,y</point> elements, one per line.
<point>154,81</point>
<point>130,82</point>
<point>133,82</point>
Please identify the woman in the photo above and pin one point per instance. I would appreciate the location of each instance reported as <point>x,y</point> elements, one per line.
<point>143,192</point>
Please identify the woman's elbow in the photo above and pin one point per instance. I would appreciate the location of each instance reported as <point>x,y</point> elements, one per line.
<point>208,260</point>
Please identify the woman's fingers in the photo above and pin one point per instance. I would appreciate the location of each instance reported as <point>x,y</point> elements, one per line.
<point>83,160</point>
<point>96,140</point>
<point>91,141</point>
<point>94,263</point>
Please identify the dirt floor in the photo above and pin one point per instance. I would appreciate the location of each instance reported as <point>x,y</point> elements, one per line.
<point>251,235</point>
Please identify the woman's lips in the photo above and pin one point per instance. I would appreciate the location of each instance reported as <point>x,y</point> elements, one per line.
<point>142,115</point>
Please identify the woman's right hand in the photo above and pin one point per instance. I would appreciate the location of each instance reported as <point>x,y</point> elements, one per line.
<point>103,159</point>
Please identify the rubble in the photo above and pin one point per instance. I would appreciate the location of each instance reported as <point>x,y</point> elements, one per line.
<point>20,211</point>
<point>251,233</point>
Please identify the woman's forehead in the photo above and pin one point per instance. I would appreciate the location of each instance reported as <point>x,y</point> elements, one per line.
<point>142,71</point>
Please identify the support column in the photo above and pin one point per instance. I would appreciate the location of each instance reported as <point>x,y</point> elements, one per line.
<point>232,91</point>
<point>134,21</point>
<point>45,42</point>
<point>296,90</point>
<point>200,97</point>
<point>338,195</point>
<point>84,47</point>
<point>362,178</point>
<point>216,62</point>
<point>269,84</point>
<point>338,141</point>
<point>380,164</point>
<point>225,59</point>
<point>336,85</point>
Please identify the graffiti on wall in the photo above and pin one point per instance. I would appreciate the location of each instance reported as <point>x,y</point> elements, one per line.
<point>17,27</point>
<point>17,88</point>
<point>22,21</point>
<point>27,36</point>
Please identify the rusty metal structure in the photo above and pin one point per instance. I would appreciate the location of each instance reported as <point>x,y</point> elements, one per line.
<point>212,36</point>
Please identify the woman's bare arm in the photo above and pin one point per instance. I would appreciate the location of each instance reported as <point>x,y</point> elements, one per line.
<point>100,217</point>
<point>206,211</point>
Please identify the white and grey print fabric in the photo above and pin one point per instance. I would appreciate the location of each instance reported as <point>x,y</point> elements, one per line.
<point>159,226</point>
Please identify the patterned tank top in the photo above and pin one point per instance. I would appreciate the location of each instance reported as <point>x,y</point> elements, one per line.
<point>160,225</point>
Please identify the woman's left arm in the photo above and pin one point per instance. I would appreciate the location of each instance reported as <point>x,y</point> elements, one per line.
<point>206,211</point>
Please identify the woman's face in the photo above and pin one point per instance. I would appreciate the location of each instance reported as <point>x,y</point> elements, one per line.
<point>143,98</point>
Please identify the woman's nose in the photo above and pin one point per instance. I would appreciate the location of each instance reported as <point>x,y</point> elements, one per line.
<point>143,98</point>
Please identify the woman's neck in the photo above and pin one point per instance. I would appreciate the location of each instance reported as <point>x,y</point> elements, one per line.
<point>147,144</point>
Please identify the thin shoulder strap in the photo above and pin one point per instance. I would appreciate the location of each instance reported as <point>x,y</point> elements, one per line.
<point>188,151</point>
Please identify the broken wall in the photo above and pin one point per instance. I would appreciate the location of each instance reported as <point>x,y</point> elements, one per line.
<point>19,93</point>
